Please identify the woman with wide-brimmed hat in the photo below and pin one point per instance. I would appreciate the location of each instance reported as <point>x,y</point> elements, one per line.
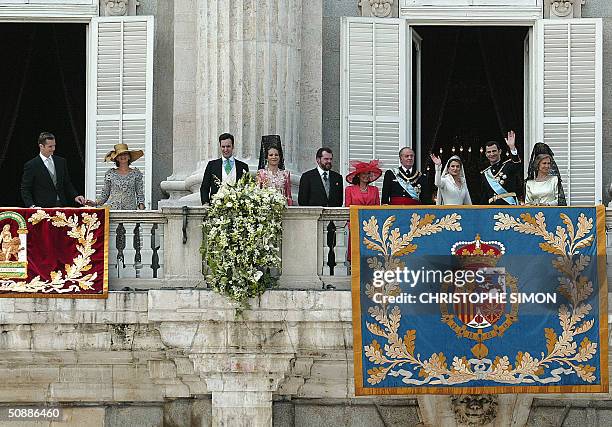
<point>123,186</point>
<point>360,192</point>
<point>361,176</point>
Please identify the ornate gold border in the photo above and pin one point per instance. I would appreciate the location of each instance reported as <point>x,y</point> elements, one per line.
<point>104,293</point>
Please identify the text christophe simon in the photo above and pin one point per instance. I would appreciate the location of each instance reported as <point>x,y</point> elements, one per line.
<point>459,278</point>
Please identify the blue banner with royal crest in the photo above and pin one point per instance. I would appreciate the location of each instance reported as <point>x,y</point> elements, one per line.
<point>479,299</point>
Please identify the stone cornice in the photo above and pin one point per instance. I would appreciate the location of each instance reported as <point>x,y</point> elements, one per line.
<point>51,12</point>
<point>499,15</point>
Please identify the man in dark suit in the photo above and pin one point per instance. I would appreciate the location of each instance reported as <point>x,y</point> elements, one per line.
<point>321,186</point>
<point>405,185</point>
<point>225,169</point>
<point>502,181</point>
<point>46,182</point>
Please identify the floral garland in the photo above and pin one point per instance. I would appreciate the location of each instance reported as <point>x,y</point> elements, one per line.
<point>241,239</point>
<point>83,233</point>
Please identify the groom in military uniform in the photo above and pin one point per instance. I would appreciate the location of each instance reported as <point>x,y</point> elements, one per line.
<point>502,181</point>
<point>405,185</point>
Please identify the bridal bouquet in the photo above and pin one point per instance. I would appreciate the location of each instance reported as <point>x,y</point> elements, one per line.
<point>241,239</point>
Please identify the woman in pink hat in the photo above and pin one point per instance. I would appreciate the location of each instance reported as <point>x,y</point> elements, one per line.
<point>361,192</point>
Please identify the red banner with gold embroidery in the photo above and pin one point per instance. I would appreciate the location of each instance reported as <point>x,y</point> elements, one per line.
<point>55,252</point>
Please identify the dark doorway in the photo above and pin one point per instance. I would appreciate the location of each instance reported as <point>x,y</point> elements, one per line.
<point>42,84</point>
<point>472,92</point>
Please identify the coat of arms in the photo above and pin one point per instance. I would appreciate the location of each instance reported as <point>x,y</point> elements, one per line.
<point>13,252</point>
<point>482,312</point>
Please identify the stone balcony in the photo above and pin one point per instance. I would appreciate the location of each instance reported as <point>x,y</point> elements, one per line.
<point>166,341</point>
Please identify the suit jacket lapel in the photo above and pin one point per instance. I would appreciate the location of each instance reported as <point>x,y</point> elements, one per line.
<point>238,169</point>
<point>217,170</point>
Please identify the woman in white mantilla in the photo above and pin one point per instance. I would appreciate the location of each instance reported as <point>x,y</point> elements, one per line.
<point>452,187</point>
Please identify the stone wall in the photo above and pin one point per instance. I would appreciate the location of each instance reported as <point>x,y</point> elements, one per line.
<point>603,9</point>
<point>163,76</point>
<point>147,357</point>
<point>333,10</point>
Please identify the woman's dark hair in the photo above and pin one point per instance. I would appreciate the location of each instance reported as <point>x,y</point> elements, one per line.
<point>270,148</point>
<point>355,180</point>
<point>455,160</point>
<point>280,155</point>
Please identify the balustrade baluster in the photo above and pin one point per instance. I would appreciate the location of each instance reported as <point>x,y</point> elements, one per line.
<point>137,248</point>
<point>331,244</point>
<point>155,256</point>
<point>120,244</point>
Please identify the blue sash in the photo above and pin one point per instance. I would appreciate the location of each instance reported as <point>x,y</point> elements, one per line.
<point>406,185</point>
<point>496,186</point>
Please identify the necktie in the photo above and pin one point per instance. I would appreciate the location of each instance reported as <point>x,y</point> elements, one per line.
<point>326,183</point>
<point>228,167</point>
<point>51,168</point>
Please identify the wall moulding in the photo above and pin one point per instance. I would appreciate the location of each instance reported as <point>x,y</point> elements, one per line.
<point>492,15</point>
<point>48,11</point>
<point>472,12</point>
<point>499,3</point>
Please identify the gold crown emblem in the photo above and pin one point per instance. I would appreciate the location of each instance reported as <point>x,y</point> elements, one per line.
<point>478,253</point>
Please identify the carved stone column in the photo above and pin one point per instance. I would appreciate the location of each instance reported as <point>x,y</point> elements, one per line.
<point>242,386</point>
<point>242,75</point>
<point>563,9</point>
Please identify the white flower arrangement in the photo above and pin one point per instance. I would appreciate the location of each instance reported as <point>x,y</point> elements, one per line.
<point>241,239</point>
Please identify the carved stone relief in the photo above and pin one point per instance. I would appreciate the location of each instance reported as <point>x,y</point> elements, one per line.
<point>118,7</point>
<point>474,410</point>
<point>563,9</point>
<point>377,8</point>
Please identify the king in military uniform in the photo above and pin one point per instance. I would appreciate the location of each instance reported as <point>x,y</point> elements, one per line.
<point>405,185</point>
<point>502,180</point>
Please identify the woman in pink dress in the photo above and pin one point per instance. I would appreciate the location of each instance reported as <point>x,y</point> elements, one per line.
<point>274,177</point>
<point>361,192</point>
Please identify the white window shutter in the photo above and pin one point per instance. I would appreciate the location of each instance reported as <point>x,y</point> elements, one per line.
<point>120,95</point>
<point>570,103</point>
<point>373,91</point>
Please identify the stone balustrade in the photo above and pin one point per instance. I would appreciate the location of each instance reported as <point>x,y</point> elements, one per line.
<point>144,248</point>
<point>314,248</point>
